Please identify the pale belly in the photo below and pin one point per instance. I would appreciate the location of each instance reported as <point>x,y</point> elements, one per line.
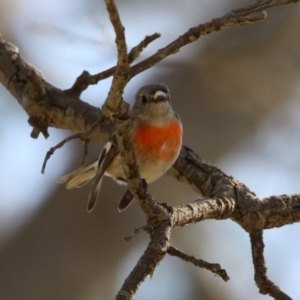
<point>152,171</point>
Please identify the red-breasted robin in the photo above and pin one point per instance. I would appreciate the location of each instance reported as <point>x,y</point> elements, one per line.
<point>156,136</point>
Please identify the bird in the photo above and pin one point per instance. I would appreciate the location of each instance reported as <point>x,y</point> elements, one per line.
<point>156,135</point>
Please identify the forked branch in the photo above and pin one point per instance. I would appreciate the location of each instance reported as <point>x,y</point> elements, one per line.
<point>224,196</point>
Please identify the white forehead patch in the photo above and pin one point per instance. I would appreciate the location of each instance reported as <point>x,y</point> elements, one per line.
<point>159,93</point>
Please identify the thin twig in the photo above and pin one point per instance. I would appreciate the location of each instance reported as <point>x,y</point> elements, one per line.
<point>86,137</point>
<point>215,268</point>
<point>146,228</point>
<point>264,284</point>
<point>114,99</point>
<point>132,56</point>
<point>244,16</point>
<point>59,145</point>
<point>85,78</point>
<point>192,35</point>
<point>260,6</point>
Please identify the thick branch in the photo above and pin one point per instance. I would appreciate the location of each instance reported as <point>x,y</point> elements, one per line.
<point>46,105</point>
<point>58,109</point>
<point>227,198</point>
<point>49,106</point>
<point>146,265</point>
<point>202,210</point>
<point>231,199</point>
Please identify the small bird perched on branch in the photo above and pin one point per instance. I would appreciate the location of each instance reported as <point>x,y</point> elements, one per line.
<point>156,136</point>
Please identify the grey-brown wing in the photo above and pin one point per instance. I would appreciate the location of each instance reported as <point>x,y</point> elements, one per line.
<point>108,153</point>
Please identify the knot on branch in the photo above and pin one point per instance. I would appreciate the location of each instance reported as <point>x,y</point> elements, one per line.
<point>82,83</point>
<point>39,126</point>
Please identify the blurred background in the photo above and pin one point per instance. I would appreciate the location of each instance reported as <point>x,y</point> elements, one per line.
<point>237,92</point>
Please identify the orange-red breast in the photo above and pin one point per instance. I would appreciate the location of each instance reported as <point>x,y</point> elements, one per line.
<point>156,137</point>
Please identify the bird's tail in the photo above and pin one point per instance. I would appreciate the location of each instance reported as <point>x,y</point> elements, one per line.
<point>80,176</point>
<point>125,201</point>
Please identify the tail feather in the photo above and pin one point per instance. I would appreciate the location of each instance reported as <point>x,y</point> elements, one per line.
<point>125,201</point>
<point>95,170</point>
<point>94,194</point>
<point>108,153</point>
<point>79,177</point>
<point>96,185</point>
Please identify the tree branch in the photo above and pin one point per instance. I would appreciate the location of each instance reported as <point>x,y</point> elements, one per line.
<point>146,265</point>
<point>85,78</point>
<point>114,99</point>
<point>265,285</point>
<point>114,105</point>
<point>215,268</point>
<point>55,108</point>
<point>47,106</point>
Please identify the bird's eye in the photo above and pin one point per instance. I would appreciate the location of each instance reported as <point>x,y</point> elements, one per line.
<point>143,99</point>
